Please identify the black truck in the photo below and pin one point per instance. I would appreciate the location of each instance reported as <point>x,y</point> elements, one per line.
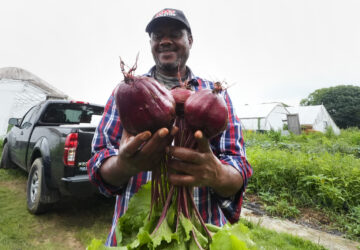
<point>52,142</point>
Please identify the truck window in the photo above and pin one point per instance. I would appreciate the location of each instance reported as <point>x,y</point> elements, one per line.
<point>72,113</point>
<point>28,117</point>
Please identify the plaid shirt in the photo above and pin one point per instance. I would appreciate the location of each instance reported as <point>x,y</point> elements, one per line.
<point>228,147</point>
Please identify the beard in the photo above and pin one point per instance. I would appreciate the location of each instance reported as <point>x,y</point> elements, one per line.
<point>168,67</point>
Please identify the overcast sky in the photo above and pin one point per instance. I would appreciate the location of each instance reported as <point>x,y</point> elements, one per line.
<point>278,50</point>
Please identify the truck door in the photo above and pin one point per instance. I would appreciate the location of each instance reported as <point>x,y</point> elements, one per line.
<point>22,138</point>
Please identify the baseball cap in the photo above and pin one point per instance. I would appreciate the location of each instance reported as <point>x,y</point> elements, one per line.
<point>171,14</point>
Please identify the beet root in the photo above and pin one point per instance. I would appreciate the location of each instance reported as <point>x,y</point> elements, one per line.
<point>206,110</point>
<point>143,104</point>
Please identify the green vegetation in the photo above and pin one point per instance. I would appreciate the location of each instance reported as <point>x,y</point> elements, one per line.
<point>271,240</point>
<point>1,146</point>
<point>318,171</point>
<point>71,225</point>
<point>74,223</point>
<point>134,232</point>
<point>342,102</point>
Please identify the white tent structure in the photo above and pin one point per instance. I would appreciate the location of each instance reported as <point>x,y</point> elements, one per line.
<point>20,90</point>
<point>315,117</point>
<point>267,116</point>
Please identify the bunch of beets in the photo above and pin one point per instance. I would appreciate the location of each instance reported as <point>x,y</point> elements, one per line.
<point>146,105</point>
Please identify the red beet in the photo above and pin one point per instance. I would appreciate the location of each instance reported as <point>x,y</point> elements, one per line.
<point>180,95</point>
<point>206,110</point>
<point>143,103</point>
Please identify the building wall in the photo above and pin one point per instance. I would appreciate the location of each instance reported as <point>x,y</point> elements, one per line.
<point>276,118</point>
<point>323,121</point>
<point>263,117</point>
<point>16,97</point>
<point>253,123</point>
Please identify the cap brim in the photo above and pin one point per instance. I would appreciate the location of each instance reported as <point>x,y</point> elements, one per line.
<point>158,20</point>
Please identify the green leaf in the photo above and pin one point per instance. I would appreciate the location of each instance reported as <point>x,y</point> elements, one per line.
<point>212,228</point>
<point>129,224</point>
<point>224,240</point>
<point>186,226</point>
<point>96,245</point>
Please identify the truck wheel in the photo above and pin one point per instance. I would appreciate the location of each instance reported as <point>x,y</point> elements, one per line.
<point>5,158</point>
<point>34,191</point>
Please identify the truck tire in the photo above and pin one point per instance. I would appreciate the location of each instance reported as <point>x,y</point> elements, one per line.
<point>35,192</point>
<point>5,158</point>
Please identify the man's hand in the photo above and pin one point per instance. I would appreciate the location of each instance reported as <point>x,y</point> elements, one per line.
<point>201,167</point>
<point>142,152</point>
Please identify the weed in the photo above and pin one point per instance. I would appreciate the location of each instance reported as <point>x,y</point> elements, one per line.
<point>314,170</point>
<point>284,209</point>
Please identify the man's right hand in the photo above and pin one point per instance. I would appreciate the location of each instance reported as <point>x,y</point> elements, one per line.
<point>142,152</point>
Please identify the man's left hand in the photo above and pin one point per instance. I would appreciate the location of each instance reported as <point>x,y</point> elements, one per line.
<point>189,167</point>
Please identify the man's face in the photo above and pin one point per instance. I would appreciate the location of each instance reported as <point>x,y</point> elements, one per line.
<point>170,46</point>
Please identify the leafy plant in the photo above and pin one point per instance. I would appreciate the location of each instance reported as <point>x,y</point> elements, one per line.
<point>284,209</point>
<point>314,170</point>
<point>133,233</point>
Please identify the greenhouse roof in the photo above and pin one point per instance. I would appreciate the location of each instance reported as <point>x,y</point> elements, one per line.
<point>14,73</point>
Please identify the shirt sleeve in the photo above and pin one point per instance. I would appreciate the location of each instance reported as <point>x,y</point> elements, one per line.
<point>230,149</point>
<point>104,145</point>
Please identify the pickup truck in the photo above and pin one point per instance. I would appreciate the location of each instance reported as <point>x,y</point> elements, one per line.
<point>52,142</point>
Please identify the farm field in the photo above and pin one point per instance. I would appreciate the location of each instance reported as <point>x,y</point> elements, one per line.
<point>310,178</point>
<point>313,178</point>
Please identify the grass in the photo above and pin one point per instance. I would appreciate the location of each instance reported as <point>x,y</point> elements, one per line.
<point>320,171</point>
<point>75,222</point>
<point>70,225</point>
<point>272,240</point>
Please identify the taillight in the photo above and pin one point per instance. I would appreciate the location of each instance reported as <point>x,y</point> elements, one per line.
<point>71,143</point>
<point>79,102</point>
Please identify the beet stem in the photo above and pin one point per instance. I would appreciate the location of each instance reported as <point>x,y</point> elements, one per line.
<point>152,194</point>
<point>198,214</point>
<point>162,191</point>
<point>165,209</point>
<point>196,240</point>
<point>179,210</point>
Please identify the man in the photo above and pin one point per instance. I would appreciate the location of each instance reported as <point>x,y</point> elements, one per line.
<point>218,170</point>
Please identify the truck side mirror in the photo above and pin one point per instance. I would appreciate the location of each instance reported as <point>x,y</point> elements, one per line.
<point>14,121</point>
<point>26,125</point>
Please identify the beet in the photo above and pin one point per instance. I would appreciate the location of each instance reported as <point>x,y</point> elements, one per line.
<point>180,95</point>
<point>143,103</point>
<point>206,110</point>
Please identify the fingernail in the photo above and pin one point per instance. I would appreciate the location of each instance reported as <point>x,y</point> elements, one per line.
<point>198,134</point>
<point>174,130</point>
<point>163,132</point>
<point>146,135</point>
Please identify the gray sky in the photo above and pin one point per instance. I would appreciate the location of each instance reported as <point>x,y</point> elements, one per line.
<point>278,50</point>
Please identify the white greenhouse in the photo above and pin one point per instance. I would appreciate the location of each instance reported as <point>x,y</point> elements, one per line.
<point>20,90</point>
<point>315,117</point>
<point>263,117</point>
